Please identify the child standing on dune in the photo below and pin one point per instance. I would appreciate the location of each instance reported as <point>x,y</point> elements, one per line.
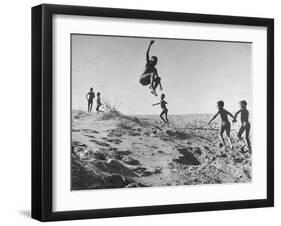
<point>90,96</point>
<point>245,124</point>
<point>164,108</point>
<point>225,124</point>
<point>98,103</point>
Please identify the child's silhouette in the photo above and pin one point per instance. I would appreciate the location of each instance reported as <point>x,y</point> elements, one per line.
<point>150,75</point>
<point>90,96</point>
<point>164,108</point>
<point>225,124</point>
<point>98,103</point>
<point>245,124</point>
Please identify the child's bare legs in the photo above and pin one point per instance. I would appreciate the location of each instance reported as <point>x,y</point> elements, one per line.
<point>156,81</point>
<point>228,135</point>
<point>98,109</point>
<point>90,106</point>
<point>166,117</point>
<point>240,132</point>
<point>247,137</point>
<point>221,135</point>
<point>160,85</point>
<point>161,116</point>
<point>151,80</point>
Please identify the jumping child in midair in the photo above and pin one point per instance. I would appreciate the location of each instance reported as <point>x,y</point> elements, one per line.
<point>245,124</point>
<point>90,96</point>
<point>225,124</point>
<point>150,75</point>
<point>164,108</point>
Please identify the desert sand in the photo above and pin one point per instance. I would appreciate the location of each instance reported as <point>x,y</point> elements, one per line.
<point>112,150</point>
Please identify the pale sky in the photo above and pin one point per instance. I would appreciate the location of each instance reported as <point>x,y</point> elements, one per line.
<point>195,74</point>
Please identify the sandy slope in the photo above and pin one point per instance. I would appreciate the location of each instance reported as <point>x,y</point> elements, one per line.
<point>113,151</point>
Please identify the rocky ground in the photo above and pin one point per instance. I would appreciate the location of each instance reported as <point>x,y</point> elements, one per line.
<point>110,150</point>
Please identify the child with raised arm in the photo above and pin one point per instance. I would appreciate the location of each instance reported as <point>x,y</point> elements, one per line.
<point>90,96</point>
<point>98,103</point>
<point>150,75</point>
<point>225,124</point>
<point>164,108</point>
<point>245,124</point>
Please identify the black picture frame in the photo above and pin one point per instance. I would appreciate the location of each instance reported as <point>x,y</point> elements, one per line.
<point>42,107</point>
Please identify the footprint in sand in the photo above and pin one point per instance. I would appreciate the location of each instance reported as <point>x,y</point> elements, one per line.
<point>115,141</point>
<point>91,136</point>
<point>120,154</point>
<point>89,131</point>
<point>100,143</point>
<point>130,161</point>
<point>116,133</point>
<point>207,148</point>
<point>78,143</point>
<point>132,133</point>
<point>143,172</point>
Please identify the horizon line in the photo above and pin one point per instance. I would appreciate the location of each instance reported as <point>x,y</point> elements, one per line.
<point>149,114</point>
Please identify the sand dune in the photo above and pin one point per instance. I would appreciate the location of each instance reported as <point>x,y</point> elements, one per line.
<point>111,150</point>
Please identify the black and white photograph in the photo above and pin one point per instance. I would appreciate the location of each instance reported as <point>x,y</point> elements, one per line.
<point>142,111</point>
<point>150,112</point>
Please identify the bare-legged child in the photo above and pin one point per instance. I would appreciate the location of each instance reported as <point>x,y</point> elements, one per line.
<point>99,104</point>
<point>90,96</point>
<point>150,75</point>
<point>225,124</point>
<point>164,108</point>
<point>245,124</point>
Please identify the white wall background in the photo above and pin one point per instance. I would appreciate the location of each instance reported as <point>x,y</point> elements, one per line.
<point>15,119</point>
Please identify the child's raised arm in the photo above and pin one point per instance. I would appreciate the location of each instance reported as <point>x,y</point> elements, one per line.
<point>213,118</point>
<point>147,52</point>
<point>155,104</point>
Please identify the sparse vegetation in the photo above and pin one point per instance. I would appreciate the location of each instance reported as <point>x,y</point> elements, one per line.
<point>112,150</point>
